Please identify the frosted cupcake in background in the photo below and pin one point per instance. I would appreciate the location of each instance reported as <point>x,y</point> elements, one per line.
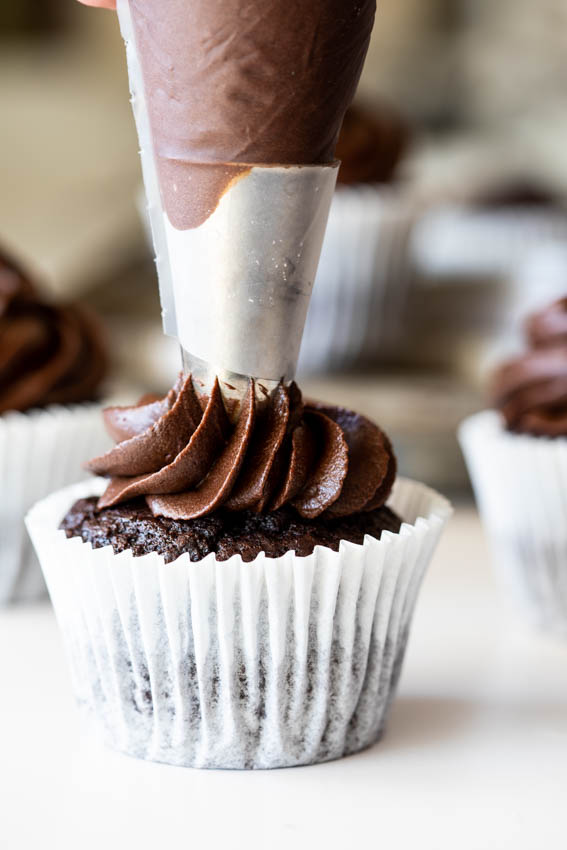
<point>238,595</point>
<point>517,460</point>
<point>52,360</point>
<point>359,293</point>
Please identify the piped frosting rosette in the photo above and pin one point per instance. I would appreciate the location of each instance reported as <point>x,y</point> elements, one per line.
<point>49,354</point>
<point>185,457</point>
<point>531,390</point>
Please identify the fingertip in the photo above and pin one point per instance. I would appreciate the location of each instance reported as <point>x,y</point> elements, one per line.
<point>102,4</point>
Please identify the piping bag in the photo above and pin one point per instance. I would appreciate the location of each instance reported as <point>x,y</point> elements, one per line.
<point>238,107</point>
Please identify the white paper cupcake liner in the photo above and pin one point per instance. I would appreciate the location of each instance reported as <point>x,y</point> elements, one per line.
<point>362,280</point>
<point>272,663</point>
<point>39,450</point>
<point>520,483</point>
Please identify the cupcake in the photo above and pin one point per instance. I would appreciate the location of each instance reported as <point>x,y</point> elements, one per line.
<point>237,590</point>
<point>517,460</point>
<point>51,362</point>
<point>358,297</point>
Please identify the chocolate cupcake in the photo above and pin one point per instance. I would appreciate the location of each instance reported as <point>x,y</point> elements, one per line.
<point>517,459</point>
<point>52,361</point>
<point>236,592</point>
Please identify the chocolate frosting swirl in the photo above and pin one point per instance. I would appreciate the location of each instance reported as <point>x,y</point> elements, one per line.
<point>48,354</point>
<point>531,390</point>
<point>186,458</point>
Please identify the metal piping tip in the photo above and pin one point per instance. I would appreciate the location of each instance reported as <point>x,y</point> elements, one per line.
<point>233,386</point>
<point>242,281</point>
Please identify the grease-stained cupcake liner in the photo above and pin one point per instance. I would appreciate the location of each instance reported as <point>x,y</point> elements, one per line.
<point>39,451</point>
<point>520,483</point>
<point>273,663</point>
<point>360,290</point>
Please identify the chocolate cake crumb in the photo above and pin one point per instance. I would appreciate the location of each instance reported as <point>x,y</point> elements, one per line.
<point>132,526</point>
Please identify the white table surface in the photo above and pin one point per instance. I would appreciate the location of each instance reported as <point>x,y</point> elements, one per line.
<point>474,757</point>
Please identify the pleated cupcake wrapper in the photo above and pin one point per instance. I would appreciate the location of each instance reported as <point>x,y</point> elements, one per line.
<point>362,281</point>
<point>39,450</point>
<point>272,663</point>
<point>520,483</point>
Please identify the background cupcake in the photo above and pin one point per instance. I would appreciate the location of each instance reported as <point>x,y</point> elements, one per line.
<point>363,274</point>
<point>52,360</point>
<point>239,595</point>
<point>517,459</point>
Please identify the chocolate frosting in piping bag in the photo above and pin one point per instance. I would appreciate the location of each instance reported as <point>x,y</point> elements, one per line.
<point>231,84</point>
<point>187,460</point>
<point>531,390</point>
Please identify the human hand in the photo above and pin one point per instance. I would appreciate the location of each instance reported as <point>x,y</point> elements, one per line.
<point>104,4</point>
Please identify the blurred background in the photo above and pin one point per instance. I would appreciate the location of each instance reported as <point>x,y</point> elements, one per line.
<point>449,225</point>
